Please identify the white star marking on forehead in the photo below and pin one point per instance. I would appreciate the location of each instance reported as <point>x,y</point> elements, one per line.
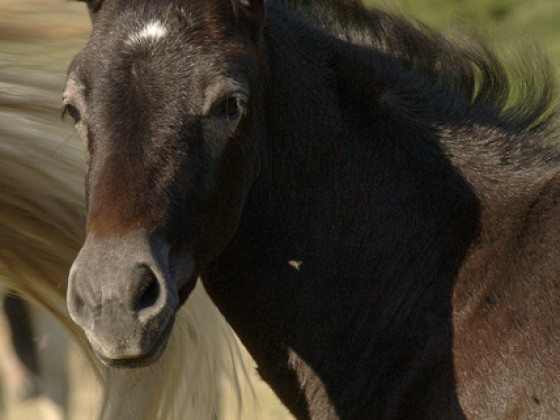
<point>153,31</point>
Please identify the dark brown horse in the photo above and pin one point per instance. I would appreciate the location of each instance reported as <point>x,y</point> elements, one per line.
<point>372,208</point>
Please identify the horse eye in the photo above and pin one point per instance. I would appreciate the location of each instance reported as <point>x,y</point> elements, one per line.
<point>73,112</point>
<point>231,107</point>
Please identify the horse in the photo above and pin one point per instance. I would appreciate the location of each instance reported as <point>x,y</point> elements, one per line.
<point>369,204</point>
<point>42,215</point>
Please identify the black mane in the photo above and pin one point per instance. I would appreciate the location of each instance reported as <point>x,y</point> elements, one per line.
<point>521,99</point>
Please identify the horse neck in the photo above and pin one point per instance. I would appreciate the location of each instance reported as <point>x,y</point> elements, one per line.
<point>375,191</point>
<point>515,191</point>
<point>510,171</point>
<point>330,230</point>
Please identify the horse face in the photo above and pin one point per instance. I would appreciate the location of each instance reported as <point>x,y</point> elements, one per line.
<point>163,96</point>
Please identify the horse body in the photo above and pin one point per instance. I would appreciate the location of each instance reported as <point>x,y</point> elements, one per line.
<point>381,238</point>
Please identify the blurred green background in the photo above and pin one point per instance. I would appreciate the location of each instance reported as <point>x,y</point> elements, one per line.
<point>506,23</point>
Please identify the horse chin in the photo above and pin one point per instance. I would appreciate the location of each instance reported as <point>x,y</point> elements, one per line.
<point>146,359</point>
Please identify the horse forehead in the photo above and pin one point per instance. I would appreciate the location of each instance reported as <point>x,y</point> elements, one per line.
<point>152,19</point>
<point>152,31</point>
<point>140,27</point>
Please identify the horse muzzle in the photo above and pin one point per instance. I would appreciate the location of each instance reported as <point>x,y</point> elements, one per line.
<point>123,292</point>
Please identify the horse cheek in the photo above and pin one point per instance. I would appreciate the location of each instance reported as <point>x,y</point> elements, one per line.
<point>225,203</point>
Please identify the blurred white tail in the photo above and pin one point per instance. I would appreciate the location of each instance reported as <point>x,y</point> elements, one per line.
<point>42,219</point>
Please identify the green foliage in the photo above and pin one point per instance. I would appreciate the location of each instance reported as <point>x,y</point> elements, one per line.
<point>507,23</point>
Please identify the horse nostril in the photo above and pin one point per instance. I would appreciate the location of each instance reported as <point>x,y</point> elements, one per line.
<point>78,303</point>
<point>77,307</point>
<point>148,291</point>
<point>79,299</point>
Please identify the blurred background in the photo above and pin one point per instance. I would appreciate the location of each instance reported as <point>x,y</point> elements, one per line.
<point>37,41</point>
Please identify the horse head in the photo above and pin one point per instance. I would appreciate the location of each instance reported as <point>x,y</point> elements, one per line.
<point>163,97</point>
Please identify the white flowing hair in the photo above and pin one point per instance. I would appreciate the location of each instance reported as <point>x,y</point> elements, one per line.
<point>42,222</point>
